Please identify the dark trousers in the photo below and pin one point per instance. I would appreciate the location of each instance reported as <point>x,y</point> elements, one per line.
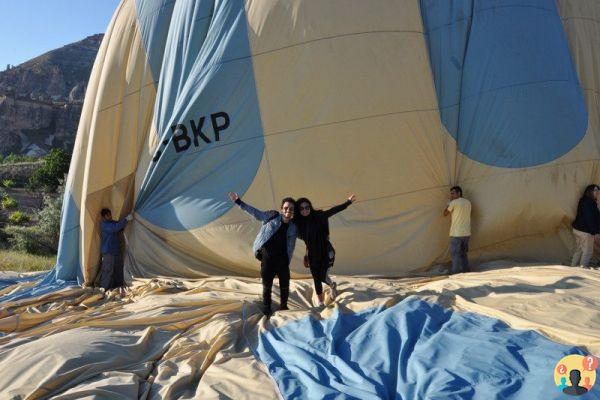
<point>272,266</point>
<point>459,247</point>
<point>111,271</point>
<point>319,274</point>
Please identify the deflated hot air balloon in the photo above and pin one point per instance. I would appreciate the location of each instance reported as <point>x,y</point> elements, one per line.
<point>394,100</point>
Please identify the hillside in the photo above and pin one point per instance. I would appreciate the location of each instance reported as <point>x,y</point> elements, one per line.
<point>41,99</point>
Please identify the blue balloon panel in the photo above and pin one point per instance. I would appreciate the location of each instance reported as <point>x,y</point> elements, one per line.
<point>68,266</point>
<point>154,19</point>
<point>207,116</point>
<point>506,85</point>
<point>413,350</point>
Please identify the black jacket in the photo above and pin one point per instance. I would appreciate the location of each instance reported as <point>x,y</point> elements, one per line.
<point>588,216</point>
<point>314,231</point>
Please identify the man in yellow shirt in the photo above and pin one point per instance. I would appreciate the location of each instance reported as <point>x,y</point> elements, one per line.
<point>460,229</point>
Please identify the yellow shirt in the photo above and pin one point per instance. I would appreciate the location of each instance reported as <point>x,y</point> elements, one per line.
<point>461,217</point>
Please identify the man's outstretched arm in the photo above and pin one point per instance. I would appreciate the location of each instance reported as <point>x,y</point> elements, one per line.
<point>258,214</point>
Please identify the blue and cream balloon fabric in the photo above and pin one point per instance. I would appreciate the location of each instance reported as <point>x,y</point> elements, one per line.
<point>508,333</point>
<point>395,101</point>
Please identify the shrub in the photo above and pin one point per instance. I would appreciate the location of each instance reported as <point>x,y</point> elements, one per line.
<point>8,183</point>
<point>49,176</point>
<point>43,238</point>
<point>8,202</point>
<point>49,218</point>
<point>18,217</point>
<point>28,239</point>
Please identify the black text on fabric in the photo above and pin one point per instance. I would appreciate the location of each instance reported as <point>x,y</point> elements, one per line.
<point>183,138</point>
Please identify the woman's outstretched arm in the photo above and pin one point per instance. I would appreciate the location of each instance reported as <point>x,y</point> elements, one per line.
<point>340,207</point>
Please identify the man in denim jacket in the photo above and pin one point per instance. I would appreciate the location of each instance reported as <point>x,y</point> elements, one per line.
<point>274,247</point>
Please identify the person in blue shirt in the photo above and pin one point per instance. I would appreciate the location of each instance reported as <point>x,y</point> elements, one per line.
<point>111,270</point>
<point>274,247</point>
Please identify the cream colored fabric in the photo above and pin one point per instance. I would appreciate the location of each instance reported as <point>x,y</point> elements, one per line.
<point>364,120</point>
<point>559,302</point>
<point>460,212</point>
<point>186,339</point>
<point>157,341</point>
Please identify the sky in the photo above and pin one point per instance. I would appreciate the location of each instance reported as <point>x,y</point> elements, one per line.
<point>29,28</point>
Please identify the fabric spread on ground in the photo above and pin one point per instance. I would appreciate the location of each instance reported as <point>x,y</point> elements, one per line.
<point>381,338</point>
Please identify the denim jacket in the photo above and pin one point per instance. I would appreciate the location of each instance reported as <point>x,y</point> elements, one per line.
<point>270,225</point>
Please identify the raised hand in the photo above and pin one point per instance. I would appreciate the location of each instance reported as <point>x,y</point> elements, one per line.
<point>352,198</point>
<point>233,196</point>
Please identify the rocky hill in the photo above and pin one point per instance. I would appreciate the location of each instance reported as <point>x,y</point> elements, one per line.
<point>41,99</point>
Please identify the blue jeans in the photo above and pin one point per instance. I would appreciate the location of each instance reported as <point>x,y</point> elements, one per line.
<point>459,247</point>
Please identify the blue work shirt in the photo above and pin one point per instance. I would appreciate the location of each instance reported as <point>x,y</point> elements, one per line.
<point>110,236</point>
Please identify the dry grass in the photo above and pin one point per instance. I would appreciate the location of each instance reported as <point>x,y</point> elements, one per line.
<point>22,262</point>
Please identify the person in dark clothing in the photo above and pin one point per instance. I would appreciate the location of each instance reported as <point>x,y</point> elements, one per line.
<point>111,269</point>
<point>586,227</point>
<point>274,247</point>
<point>313,229</point>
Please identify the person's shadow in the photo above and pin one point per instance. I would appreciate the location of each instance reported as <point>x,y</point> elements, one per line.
<point>575,389</point>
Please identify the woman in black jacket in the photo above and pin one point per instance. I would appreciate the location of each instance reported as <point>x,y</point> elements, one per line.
<point>313,229</point>
<point>586,226</point>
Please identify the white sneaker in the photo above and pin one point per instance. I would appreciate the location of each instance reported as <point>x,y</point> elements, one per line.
<point>334,291</point>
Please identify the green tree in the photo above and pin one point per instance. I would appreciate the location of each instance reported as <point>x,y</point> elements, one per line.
<point>49,175</point>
